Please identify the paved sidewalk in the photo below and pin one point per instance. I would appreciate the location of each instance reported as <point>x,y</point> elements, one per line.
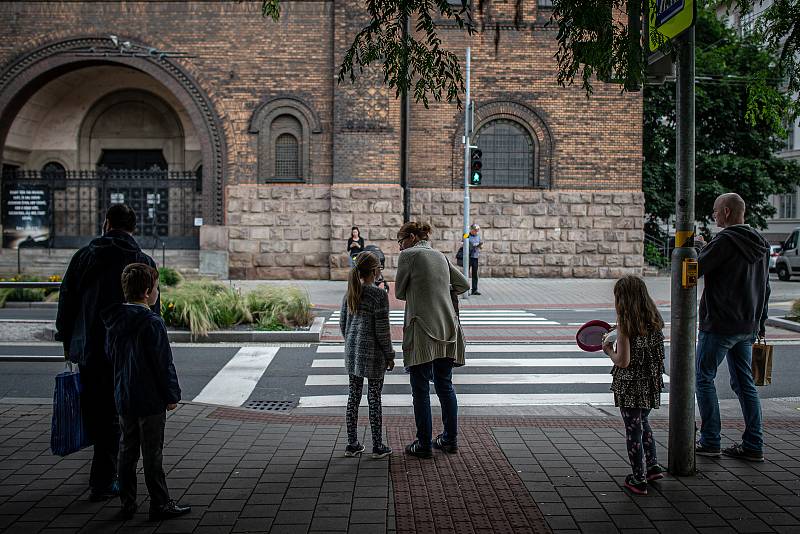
<point>249,471</point>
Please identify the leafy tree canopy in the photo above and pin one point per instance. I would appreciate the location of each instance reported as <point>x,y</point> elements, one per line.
<point>732,153</point>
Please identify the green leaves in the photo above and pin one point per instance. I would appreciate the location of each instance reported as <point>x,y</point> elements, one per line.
<point>735,149</point>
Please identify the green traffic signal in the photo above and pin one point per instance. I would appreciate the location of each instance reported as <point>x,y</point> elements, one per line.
<point>475,178</point>
<point>476,165</point>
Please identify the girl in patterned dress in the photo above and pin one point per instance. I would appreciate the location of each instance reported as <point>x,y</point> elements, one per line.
<point>637,376</point>
<point>368,351</point>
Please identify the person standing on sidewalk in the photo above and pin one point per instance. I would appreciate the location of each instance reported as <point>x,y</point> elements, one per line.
<point>638,376</point>
<point>355,244</point>
<point>732,313</point>
<point>368,351</point>
<point>475,244</point>
<point>91,284</point>
<point>433,342</point>
<point>145,387</point>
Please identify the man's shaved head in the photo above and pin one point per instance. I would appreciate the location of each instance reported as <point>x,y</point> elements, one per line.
<point>729,209</point>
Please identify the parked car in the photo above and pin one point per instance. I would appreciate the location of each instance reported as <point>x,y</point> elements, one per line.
<point>788,263</point>
<point>774,252</point>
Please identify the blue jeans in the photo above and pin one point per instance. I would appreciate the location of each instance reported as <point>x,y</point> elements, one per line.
<point>711,350</point>
<point>440,371</point>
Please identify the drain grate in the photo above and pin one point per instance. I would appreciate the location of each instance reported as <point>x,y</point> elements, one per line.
<point>272,406</point>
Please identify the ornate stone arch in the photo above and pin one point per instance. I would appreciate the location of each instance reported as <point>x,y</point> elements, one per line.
<point>262,123</point>
<point>528,119</point>
<point>23,76</point>
<point>170,119</point>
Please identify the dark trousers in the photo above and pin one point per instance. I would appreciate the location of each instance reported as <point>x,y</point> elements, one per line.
<point>100,414</point>
<point>146,433</point>
<point>440,371</point>
<point>473,268</point>
<point>639,440</point>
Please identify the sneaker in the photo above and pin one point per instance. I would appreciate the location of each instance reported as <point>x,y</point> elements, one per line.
<point>475,293</point>
<point>703,450</point>
<point>168,511</point>
<point>639,487</point>
<point>104,494</point>
<point>655,472</point>
<point>381,451</point>
<point>415,449</point>
<point>353,450</point>
<point>738,451</point>
<point>442,445</point>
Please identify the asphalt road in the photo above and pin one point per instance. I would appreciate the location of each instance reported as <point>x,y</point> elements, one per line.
<point>494,375</point>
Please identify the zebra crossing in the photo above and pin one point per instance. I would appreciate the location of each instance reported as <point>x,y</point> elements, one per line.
<point>475,317</point>
<point>495,375</point>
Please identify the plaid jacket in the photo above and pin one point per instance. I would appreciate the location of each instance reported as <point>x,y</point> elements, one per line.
<point>367,340</point>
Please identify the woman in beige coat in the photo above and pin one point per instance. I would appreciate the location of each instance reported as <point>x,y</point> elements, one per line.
<point>433,342</point>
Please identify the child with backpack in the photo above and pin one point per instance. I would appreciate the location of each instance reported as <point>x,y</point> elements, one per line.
<point>368,351</point>
<point>637,376</point>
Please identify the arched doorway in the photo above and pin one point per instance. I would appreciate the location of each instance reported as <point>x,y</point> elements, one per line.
<point>105,141</point>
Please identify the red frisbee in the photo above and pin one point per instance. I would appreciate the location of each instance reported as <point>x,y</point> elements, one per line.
<point>590,336</point>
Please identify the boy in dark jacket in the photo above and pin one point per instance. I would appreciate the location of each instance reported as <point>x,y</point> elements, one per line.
<point>145,384</point>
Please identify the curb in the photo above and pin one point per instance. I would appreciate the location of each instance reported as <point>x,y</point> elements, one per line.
<point>785,324</point>
<point>312,335</point>
<point>27,305</point>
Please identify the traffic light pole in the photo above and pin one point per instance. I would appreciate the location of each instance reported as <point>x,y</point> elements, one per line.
<point>467,133</point>
<point>684,299</point>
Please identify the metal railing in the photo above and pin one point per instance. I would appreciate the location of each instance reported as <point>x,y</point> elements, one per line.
<point>166,204</point>
<point>656,252</point>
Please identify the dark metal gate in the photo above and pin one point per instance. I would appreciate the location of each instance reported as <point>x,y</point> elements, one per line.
<point>168,204</point>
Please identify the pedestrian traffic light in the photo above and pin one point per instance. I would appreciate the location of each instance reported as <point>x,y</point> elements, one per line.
<point>475,167</point>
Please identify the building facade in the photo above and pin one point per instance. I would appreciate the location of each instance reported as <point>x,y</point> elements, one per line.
<point>233,140</point>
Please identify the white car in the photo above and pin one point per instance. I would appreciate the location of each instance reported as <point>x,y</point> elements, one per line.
<point>774,252</point>
<point>788,263</point>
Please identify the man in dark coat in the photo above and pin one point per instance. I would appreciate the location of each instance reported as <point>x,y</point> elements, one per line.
<point>732,313</point>
<point>92,284</point>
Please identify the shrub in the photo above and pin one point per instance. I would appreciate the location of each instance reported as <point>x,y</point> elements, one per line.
<point>169,277</point>
<point>654,256</point>
<point>795,311</point>
<point>279,308</point>
<point>203,306</point>
<point>28,294</point>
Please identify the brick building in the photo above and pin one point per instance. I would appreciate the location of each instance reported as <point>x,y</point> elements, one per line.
<point>243,155</point>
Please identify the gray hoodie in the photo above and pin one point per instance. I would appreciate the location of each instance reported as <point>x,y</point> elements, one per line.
<point>736,268</point>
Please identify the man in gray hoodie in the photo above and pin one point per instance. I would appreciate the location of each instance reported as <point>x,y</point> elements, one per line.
<point>732,312</point>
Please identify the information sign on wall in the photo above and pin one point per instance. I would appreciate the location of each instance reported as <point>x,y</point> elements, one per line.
<point>26,214</point>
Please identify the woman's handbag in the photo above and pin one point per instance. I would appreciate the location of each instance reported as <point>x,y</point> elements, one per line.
<point>761,363</point>
<point>68,432</point>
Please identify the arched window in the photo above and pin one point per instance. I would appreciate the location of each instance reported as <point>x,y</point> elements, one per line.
<point>287,157</point>
<point>508,153</point>
<point>53,168</point>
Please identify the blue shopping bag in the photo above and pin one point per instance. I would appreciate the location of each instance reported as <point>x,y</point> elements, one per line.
<point>68,432</point>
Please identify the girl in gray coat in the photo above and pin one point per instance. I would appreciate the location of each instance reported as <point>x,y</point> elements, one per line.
<point>368,351</point>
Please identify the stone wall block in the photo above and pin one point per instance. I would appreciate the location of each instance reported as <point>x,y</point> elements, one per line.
<point>558,260</point>
<point>578,209</point>
<point>568,222</point>
<point>322,193</point>
<point>452,209</point>
<point>393,221</point>
<point>316,260</point>
<point>527,197</point>
<point>490,209</point>
<point>633,211</point>
<point>596,210</point>
<point>282,193</point>
<point>545,222</point>
<point>570,198</point>
<point>531,260</point>
<point>614,235</point>
<point>421,196</point>
<point>264,193</point>
<point>564,247</point>
<point>302,193</point>
<point>553,235</point>
<point>358,193</point>
<point>381,206</point>
<point>376,233</point>
<point>625,223</point>
<point>634,261</point>
<point>501,247</point>
<point>288,260</point>
<point>521,272</point>
<point>501,198</point>
<point>549,197</point>
<point>274,247</point>
<point>592,260</point>
<point>273,273</point>
<point>264,260</point>
<point>501,221</point>
<point>612,210</point>
<point>577,236</point>
<point>623,198</point>
<point>535,209</point>
<point>244,245</point>
<point>521,247</point>
<point>340,192</point>
<point>607,248</point>
<point>584,272</point>
<point>603,222</point>
<point>595,235</point>
<point>341,219</point>
<point>585,222</point>
<point>441,222</point>
<point>583,248</point>
<point>601,198</point>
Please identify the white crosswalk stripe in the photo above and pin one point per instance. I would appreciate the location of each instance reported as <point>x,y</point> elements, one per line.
<point>562,374</point>
<point>474,317</point>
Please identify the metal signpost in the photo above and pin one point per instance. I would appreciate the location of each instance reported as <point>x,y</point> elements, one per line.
<point>467,134</point>
<point>674,19</point>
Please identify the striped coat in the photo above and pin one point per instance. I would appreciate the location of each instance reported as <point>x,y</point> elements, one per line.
<point>367,340</point>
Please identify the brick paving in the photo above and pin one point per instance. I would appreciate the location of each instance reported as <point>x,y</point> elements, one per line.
<point>248,471</point>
